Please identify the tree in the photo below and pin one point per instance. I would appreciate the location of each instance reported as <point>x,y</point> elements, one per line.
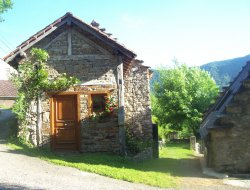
<point>181,97</point>
<point>4,6</point>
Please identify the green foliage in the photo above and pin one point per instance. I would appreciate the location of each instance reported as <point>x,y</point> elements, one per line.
<point>110,104</point>
<point>164,131</point>
<point>135,144</point>
<point>111,109</point>
<point>4,6</point>
<point>181,96</point>
<point>32,80</point>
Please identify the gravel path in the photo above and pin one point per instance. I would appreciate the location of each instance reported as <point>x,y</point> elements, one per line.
<point>19,171</point>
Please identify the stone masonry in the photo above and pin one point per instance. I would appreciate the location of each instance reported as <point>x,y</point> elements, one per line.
<point>228,146</point>
<point>137,102</point>
<point>99,68</point>
<point>95,65</point>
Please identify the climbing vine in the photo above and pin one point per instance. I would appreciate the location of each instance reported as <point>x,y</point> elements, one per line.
<point>32,79</point>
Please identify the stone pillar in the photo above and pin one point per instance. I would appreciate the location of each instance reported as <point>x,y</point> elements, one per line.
<point>121,112</point>
<point>192,142</point>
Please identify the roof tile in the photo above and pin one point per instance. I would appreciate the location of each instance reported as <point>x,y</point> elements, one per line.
<point>7,89</point>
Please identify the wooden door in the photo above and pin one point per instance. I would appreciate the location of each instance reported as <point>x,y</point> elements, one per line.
<point>65,122</point>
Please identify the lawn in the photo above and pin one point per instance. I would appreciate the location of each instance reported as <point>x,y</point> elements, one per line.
<point>162,172</point>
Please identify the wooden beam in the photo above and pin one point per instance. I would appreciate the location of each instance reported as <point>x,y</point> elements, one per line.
<point>52,116</point>
<point>40,37</point>
<point>78,128</point>
<point>69,41</point>
<point>78,57</point>
<point>121,114</point>
<point>52,41</point>
<point>91,43</point>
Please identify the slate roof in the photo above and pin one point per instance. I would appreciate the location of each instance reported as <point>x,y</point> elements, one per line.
<point>226,97</point>
<point>93,29</point>
<point>7,89</point>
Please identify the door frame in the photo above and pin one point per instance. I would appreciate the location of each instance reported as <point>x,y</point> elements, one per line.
<point>52,118</point>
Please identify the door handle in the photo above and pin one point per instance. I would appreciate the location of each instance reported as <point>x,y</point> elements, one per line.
<point>65,124</point>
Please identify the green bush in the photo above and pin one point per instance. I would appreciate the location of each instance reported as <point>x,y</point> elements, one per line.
<point>135,144</point>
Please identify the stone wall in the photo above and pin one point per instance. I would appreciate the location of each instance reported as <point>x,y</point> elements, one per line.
<point>137,102</point>
<point>101,137</point>
<point>96,67</point>
<point>92,65</point>
<point>228,147</point>
<point>7,102</point>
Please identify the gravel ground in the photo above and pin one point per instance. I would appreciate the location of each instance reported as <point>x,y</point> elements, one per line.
<point>19,171</point>
<point>193,179</point>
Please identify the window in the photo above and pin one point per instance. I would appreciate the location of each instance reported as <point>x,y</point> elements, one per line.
<point>98,102</point>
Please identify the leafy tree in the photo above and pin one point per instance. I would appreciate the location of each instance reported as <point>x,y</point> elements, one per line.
<point>181,97</point>
<point>4,6</point>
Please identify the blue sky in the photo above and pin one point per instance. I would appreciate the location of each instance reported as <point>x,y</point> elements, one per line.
<point>192,31</point>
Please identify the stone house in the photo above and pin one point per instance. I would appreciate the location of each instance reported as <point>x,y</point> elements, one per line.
<point>105,68</point>
<point>226,127</point>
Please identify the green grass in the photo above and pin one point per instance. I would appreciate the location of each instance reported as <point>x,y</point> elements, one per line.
<point>162,172</point>
<point>5,107</point>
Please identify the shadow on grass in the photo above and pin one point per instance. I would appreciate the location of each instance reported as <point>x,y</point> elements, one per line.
<point>181,167</point>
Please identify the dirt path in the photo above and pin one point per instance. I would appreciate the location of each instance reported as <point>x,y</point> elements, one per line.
<point>193,179</point>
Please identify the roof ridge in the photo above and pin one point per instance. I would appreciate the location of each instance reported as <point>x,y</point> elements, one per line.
<point>46,29</point>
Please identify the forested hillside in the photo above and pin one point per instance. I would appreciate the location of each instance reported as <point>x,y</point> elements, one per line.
<point>225,71</point>
<point>222,71</point>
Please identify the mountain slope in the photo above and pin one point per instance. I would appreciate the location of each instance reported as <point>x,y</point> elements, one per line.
<point>225,71</point>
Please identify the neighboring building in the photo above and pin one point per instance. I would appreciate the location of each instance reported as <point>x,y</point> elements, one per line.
<point>105,68</point>
<point>8,93</point>
<point>226,127</point>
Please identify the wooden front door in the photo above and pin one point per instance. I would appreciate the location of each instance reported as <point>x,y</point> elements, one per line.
<point>65,133</point>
